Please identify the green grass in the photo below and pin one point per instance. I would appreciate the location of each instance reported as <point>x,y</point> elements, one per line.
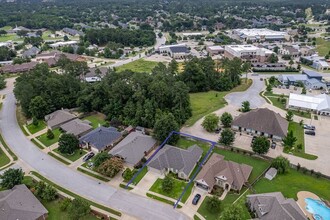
<point>196,217</point>
<point>7,37</point>
<point>93,175</point>
<point>21,120</point>
<point>140,65</point>
<point>124,186</point>
<point>37,144</point>
<point>75,156</point>
<point>298,132</point>
<point>178,188</point>
<point>4,144</point>
<point>34,129</point>
<point>259,165</point>
<point>75,195</point>
<point>6,28</point>
<point>58,158</point>
<point>4,160</point>
<point>162,200</point>
<point>322,46</point>
<point>204,103</point>
<point>5,167</point>
<point>48,142</point>
<point>140,176</point>
<point>293,182</point>
<point>96,120</point>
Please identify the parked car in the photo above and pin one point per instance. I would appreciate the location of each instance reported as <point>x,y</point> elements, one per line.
<point>309,127</point>
<point>310,132</point>
<point>217,131</point>
<point>273,145</point>
<point>88,156</point>
<point>196,199</point>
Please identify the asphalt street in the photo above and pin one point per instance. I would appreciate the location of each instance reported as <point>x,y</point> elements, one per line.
<point>132,204</point>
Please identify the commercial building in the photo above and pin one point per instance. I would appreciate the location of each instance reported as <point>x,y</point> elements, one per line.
<point>260,34</point>
<point>247,52</point>
<point>319,104</point>
<point>215,50</point>
<point>311,79</point>
<point>316,62</point>
<point>177,51</point>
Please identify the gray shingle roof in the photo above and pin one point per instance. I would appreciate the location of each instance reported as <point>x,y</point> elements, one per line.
<point>92,72</point>
<point>20,203</point>
<point>132,148</point>
<point>263,120</point>
<point>179,49</point>
<point>183,160</point>
<point>33,51</point>
<point>76,127</point>
<point>58,117</point>
<point>273,206</point>
<point>101,137</point>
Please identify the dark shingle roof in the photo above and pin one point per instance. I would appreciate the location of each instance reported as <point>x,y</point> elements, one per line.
<point>76,127</point>
<point>179,49</point>
<point>101,137</point>
<point>20,203</point>
<point>263,120</point>
<point>183,160</point>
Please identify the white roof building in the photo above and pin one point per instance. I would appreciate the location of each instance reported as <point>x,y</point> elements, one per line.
<point>64,43</point>
<point>247,49</point>
<point>260,34</point>
<point>192,34</point>
<point>319,103</point>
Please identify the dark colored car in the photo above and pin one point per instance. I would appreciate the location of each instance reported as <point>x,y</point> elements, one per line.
<point>88,156</point>
<point>273,145</point>
<point>310,132</point>
<point>196,199</point>
<point>217,131</point>
<point>309,127</point>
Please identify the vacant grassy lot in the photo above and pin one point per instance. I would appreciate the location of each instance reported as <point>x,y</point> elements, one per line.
<point>203,103</point>
<point>293,182</point>
<point>48,142</point>
<point>176,191</point>
<point>298,132</point>
<point>75,156</point>
<point>34,129</point>
<point>96,120</point>
<point>322,46</point>
<point>140,65</point>
<point>7,37</point>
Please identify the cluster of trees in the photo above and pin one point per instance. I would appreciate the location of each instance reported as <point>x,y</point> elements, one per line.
<point>204,74</point>
<point>45,191</point>
<point>67,143</point>
<point>6,54</point>
<point>42,91</point>
<point>11,178</point>
<point>121,36</point>
<point>110,167</point>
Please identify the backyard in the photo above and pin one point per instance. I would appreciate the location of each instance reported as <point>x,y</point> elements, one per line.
<point>34,129</point>
<point>96,120</point>
<point>48,142</point>
<point>140,65</point>
<point>203,103</point>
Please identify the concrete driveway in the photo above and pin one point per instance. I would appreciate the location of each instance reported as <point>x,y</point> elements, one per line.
<point>126,202</point>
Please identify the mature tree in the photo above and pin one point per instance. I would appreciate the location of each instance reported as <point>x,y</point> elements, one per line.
<point>173,67</point>
<point>100,158</point>
<point>290,140</point>
<point>261,145</point>
<point>2,82</point>
<point>291,63</point>
<point>227,137</point>
<point>273,58</point>
<point>39,107</point>
<point>11,177</point>
<point>78,208</point>
<point>35,122</point>
<point>245,106</point>
<point>226,119</point>
<point>211,122</point>
<point>128,174</point>
<point>289,116</point>
<point>269,88</point>
<point>213,204</point>
<point>50,134</point>
<point>164,125</point>
<point>111,167</point>
<point>76,68</point>
<point>3,32</point>
<point>233,212</point>
<point>304,91</point>
<point>167,184</point>
<point>68,144</point>
<point>281,163</point>
<point>45,191</point>
<point>6,54</point>
<point>272,80</point>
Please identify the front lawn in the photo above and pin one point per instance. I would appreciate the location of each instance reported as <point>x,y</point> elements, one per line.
<point>140,176</point>
<point>48,142</point>
<point>298,132</point>
<point>75,156</point>
<point>34,129</point>
<point>204,103</point>
<point>293,182</point>
<point>140,65</point>
<point>178,188</point>
<point>4,160</point>
<point>96,120</point>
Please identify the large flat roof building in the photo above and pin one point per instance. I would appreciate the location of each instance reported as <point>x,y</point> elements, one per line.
<point>260,34</point>
<point>319,104</point>
<point>247,52</point>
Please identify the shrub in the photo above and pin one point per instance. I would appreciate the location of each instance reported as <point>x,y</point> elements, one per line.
<point>50,134</point>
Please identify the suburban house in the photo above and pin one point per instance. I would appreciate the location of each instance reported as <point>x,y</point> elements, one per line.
<point>247,52</point>
<point>319,104</point>
<point>177,51</point>
<point>76,127</point>
<point>100,139</point>
<point>215,50</point>
<point>133,148</point>
<point>52,57</point>
<point>58,118</point>
<point>226,174</point>
<point>95,74</point>
<point>176,160</point>
<point>18,68</point>
<point>273,206</point>
<point>32,52</point>
<point>311,79</point>
<point>20,203</point>
<point>262,122</point>
<point>73,32</point>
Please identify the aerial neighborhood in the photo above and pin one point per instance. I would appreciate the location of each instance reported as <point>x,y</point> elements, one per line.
<point>216,110</point>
